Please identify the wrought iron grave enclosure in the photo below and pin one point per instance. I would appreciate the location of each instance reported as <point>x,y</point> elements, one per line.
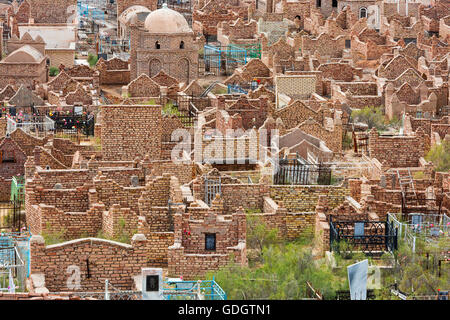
<point>369,237</point>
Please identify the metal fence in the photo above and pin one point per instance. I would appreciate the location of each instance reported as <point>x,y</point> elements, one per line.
<point>193,290</point>
<point>212,187</point>
<point>172,290</point>
<point>11,217</point>
<point>39,127</point>
<point>367,236</point>
<point>426,226</point>
<point>297,172</point>
<point>14,261</point>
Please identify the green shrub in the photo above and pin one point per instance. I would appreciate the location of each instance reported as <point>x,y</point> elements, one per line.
<point>440,156</point>
<point>283,275</point>
<point>53,237</point>
<point>92,59</point>
<point>53,71</point>
<point>372,116</point>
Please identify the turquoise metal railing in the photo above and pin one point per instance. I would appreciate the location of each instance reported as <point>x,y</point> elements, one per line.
<point>189,290</point>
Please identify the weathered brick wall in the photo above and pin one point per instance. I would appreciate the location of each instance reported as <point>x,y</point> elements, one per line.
<point>5,189</point>
<point>61,57</point>
<point>110,260</point>
<point>118,220</point>
<point>71,200</point>
<point>15,43</point>
<point>324,45</point>
<point>110,192</point>
<point>332,138</point>
<point>48,11</point>
<point>72,225</point>
<point>188,257</point>
<point>298,223</point>
<point>79,96</point>
<point>26,74</point>
<point>397,151</point>
<point>130,131</point>
<point>44,159</point>
<point>68,147</point>
<point>159,242</point>
<point>113,71</point>
<point>26,142</point>
<point>10,150</point>
<point>304,198</point>
<point>297,112</point>
<point>6,94</point>
<point>122,5</point>
<point>232,32</point>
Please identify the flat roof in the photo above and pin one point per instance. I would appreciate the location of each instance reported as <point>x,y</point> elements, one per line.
<point>55,37</point>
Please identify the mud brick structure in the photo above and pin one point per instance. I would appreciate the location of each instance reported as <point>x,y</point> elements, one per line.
<point>190,254</point>
<point>166,42</point>
<point>357,94</point>
<point>26,66</point>
<point>113,71</point>
<point>207,15</point>
<point>123,5</point>
<point>131,131</point>
<point>45,11</point>
<point>237,32</point>
<point>320,62</point>
<point>396,150</point>
<point>104,258</point>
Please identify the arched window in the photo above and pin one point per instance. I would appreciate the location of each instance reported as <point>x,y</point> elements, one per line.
<point>318,3</point>
<point>362,13</point>
<point>182,45</point>
<point>298,17</point>
<point>334,3</point>
<point>157,45</point>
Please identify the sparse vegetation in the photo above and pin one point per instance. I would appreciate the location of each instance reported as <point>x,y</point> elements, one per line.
<point>440,156</point>
<point>53,237</point>
<point>170,109</point>
<point>372,116</point>
<point>53,71</point>
<point>282,274</point>
<point>121,234</point>
<point>92,59</point>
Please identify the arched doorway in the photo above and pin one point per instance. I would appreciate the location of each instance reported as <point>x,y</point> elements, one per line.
<point>154,67</point>
<point>184,70</point>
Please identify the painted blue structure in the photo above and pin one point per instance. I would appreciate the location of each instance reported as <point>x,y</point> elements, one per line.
<point>237,89</point>
<point>188,290</point>
<point>85,11</point>
<point>11,240</point>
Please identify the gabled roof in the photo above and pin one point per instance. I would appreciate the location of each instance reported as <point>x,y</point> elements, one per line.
<point>24,97</point>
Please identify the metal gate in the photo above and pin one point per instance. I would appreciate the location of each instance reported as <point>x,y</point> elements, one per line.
<point>212,187</point>
<point>11,218</point>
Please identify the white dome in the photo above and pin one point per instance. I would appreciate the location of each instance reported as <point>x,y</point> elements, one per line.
<point>166,20</point>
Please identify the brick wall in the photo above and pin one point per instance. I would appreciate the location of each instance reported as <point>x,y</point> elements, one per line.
<point>304,198</point>
<point>397,151</point>
<point>48,11</point>
<point>110,260</point>
<point>131,131</point>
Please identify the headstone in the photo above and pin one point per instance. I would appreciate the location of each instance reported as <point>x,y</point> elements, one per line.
<point>357,278</point>
<point>135,181</point>
<point>359,229</point>
<point>383,181</point>
<point>152,284</point>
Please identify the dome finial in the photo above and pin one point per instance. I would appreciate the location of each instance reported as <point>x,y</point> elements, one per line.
<point>164,5</point>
